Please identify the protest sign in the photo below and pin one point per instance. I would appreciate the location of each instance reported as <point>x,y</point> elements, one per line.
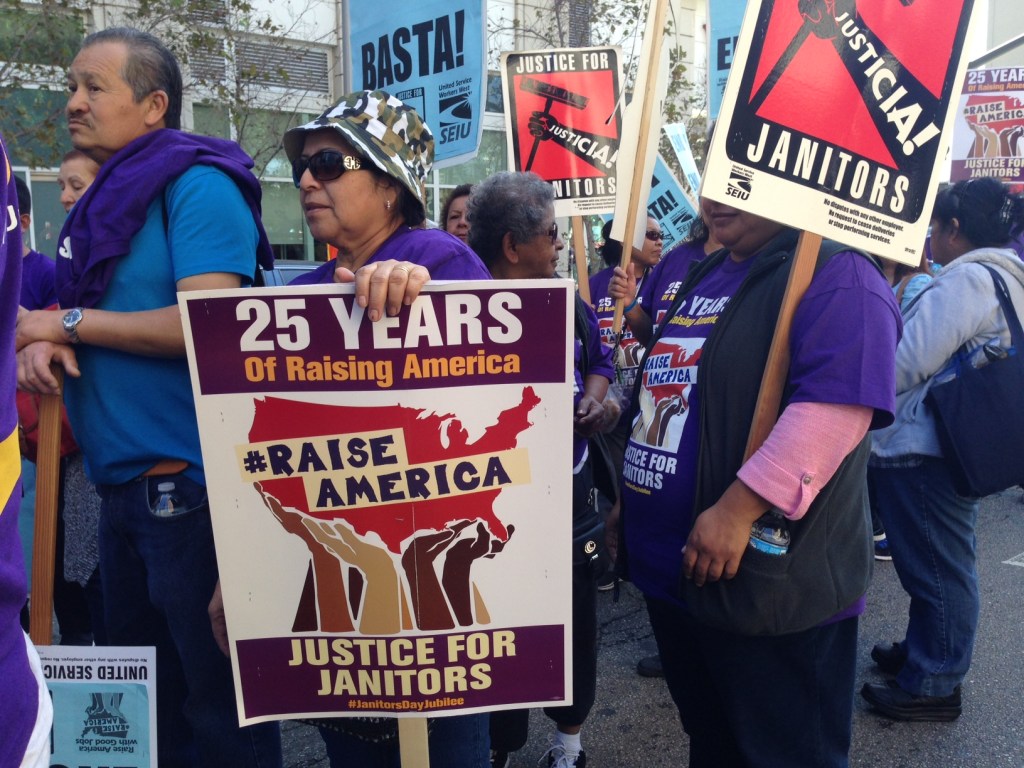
<point>641,127</point>
<point>387,497</point>
<point>430,55</point>
<point>104,705</point>
<point>724,19</point>
<point>563,121</point>
<point>838,116</point>
<point>669,205</point>
<point>988,135</point>
<point>680,142</point>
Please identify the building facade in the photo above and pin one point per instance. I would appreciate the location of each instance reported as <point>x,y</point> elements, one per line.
<point>255,68</point>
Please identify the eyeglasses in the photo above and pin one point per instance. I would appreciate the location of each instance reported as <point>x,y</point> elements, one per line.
<point>552,233</point>
<point>654,235</point>
<point>325,165</point>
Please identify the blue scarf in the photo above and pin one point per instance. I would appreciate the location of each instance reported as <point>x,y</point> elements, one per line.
<point>102,223</point>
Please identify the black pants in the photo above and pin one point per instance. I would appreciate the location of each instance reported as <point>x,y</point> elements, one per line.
<point>509,728</point>
<point>770,702</point>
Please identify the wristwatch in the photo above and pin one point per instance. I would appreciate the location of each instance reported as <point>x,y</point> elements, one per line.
<point>70,322</point>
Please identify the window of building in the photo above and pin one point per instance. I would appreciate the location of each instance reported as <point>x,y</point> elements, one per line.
<point>492,157</point>
<point>283,220</point>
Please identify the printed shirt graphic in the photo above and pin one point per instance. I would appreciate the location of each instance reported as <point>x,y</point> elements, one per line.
<point>659,468</point>
<point>660,288</point>
<point>630,349</point>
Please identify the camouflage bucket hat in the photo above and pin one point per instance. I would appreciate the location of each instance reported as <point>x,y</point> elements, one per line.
<point>383,130</point>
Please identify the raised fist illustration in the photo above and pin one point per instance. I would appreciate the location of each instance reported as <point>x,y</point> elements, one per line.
<point>541,124</point>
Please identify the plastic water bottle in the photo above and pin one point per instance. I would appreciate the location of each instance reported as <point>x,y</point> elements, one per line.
<point>770,534</point>
<point>167,503</point>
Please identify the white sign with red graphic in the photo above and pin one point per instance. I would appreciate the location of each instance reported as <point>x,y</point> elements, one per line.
<point>988,136</point>
<point>837,117</point>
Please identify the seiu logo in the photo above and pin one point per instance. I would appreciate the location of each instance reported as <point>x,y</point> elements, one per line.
<point>738,188</point>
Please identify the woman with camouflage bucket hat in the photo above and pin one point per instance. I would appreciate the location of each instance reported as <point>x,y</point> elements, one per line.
<point>360,169</point>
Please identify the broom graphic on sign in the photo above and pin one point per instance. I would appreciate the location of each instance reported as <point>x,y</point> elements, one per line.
<point>825,19</point>
<point>551,93</point>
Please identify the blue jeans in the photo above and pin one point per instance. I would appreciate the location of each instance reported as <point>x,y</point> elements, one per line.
<point>455,742</point>
<point>931,536</point>
<point>773,702</point>
<point>158,576</point>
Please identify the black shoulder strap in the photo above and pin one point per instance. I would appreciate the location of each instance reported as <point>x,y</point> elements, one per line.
<point>1006,302</point>
<point>583,334</point>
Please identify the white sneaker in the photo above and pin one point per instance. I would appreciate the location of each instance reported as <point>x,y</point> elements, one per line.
<point>556,758</point>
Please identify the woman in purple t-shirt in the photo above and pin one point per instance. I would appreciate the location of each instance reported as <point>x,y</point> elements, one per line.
<point>512,226</point>
<point>691,496</point>
<point>360,169</point>
<point>644,260</point>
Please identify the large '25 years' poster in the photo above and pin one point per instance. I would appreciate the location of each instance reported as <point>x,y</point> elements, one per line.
<point>390,498</point>
<point>838,115</point>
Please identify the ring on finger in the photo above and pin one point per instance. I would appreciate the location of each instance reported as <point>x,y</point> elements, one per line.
<point>403,268</point>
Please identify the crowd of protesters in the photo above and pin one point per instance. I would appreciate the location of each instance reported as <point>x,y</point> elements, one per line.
<point>154,211</point>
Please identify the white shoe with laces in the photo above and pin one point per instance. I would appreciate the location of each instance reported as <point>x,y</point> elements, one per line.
<point>557,758</point>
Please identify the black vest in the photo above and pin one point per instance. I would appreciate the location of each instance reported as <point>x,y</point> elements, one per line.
<point>828,565</point>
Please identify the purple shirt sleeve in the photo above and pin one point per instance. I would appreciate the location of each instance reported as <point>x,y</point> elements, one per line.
<point>600,356</point>
<point>38,287</point>
<point>444,256</point>
<point>319,276</point>
<point>843,342</point>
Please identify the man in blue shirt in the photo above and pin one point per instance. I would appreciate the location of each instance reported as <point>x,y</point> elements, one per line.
<point>168,212</point>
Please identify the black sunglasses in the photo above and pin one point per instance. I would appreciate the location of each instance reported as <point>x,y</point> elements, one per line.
<point>653,235</point>
<point>325,165</point>
<point>552,233</point>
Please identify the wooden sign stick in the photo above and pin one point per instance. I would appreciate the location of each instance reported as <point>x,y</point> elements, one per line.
<point>579,247</point>
<point>413,748</point>
<point>45,535</point>
<point>769,398</point>
<point>647,93</point>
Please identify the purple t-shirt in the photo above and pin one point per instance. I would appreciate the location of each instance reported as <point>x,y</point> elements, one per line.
<point>446,257</point>
<point>604,307</point>
<point>599,362</point>
<point>661,456</point>
<point>841,331</point>
<point>38,290</point>
<point>660,288</point>
<point>19,703</point>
